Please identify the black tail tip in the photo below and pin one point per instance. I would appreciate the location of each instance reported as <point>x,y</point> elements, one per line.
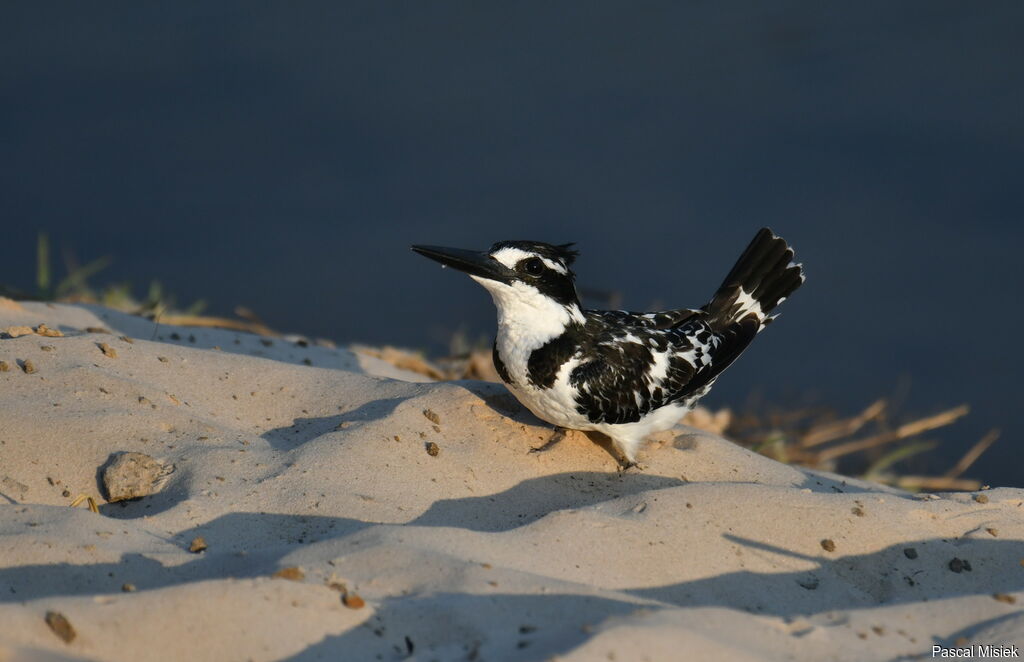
<point>764,276</point>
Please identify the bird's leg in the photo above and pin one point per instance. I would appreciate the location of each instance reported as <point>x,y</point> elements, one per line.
<point>556,436</point>
<point>626,448</point>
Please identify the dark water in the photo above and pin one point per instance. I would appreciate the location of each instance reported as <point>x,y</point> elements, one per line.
<point>284,155</point>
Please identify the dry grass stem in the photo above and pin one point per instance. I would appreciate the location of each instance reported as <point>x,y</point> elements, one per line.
<point>405,360</point>
<point>218,323</point>
<point>842,428</point>
<point>91,502</point>
<point>935,484</point>
<point>905,431</point>
<point>973,454</point>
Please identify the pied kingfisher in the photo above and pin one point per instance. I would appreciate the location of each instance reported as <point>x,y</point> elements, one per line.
<point>624,374</point>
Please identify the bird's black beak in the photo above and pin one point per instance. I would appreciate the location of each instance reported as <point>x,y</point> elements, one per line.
<point>474,263</point>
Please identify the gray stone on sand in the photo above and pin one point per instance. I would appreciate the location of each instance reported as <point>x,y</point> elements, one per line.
<point>133,475</point>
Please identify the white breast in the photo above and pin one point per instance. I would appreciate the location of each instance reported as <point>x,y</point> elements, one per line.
<point>556,405</point>
<point>528,320</point>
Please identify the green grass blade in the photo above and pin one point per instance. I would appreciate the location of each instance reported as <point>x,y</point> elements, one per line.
<point>77,281</point>
<point>898,454</point>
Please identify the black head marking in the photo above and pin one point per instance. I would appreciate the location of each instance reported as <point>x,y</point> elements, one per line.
<point>533,270</point>
<point>560,252</point>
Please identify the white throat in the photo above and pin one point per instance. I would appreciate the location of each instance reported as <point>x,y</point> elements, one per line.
<point>526,318</point>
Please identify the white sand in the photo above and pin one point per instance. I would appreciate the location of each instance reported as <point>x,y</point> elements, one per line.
<point>483,552</point>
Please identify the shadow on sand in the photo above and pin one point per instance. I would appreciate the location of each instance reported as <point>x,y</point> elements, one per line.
<point>510,626</point>
<point>519,626</point>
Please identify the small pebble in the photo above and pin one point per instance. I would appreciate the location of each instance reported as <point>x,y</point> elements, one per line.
<point>18,331</point>
<point>46,331</point>
<point>353,601</point>
<point>432,416</point>
<point>1004,597</point>
<point>910,553</point>
<point>981,498</point>
<point>433,449</point>
<point>95,329</point>
<point>128,588</point>
<point>47,348</point>
<point>291,573</point>
<point>28,367</point>
<point>107,350</point>
<point>828,545</point>
<point>858,511</point>
<point>162,359</point>
<point>60,626</point>
<point>993,532</point>
<point>198,545</point>
<point>127,340</point>
<point>959,565</point>
<point>4,367</point>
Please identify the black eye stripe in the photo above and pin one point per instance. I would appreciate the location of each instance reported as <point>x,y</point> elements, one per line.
<point>533,266</point>
<point>550,276</point>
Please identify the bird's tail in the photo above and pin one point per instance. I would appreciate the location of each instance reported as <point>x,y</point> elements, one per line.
<point>762,279</point>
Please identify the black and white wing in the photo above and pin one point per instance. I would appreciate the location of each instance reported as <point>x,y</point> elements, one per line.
<point>632,365</point>
<point>664,319</point>
<point>635,363</point>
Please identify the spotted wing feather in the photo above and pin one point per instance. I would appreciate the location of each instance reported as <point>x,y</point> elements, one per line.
<point>665,319</point>
<point>640,362</point>
<point>631,367</point>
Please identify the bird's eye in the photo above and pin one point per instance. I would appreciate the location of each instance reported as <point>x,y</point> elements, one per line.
<point>533,266</point>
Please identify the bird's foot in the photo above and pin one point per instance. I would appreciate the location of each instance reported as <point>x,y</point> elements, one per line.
<point>556,436</point>
<point>626,465</point>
